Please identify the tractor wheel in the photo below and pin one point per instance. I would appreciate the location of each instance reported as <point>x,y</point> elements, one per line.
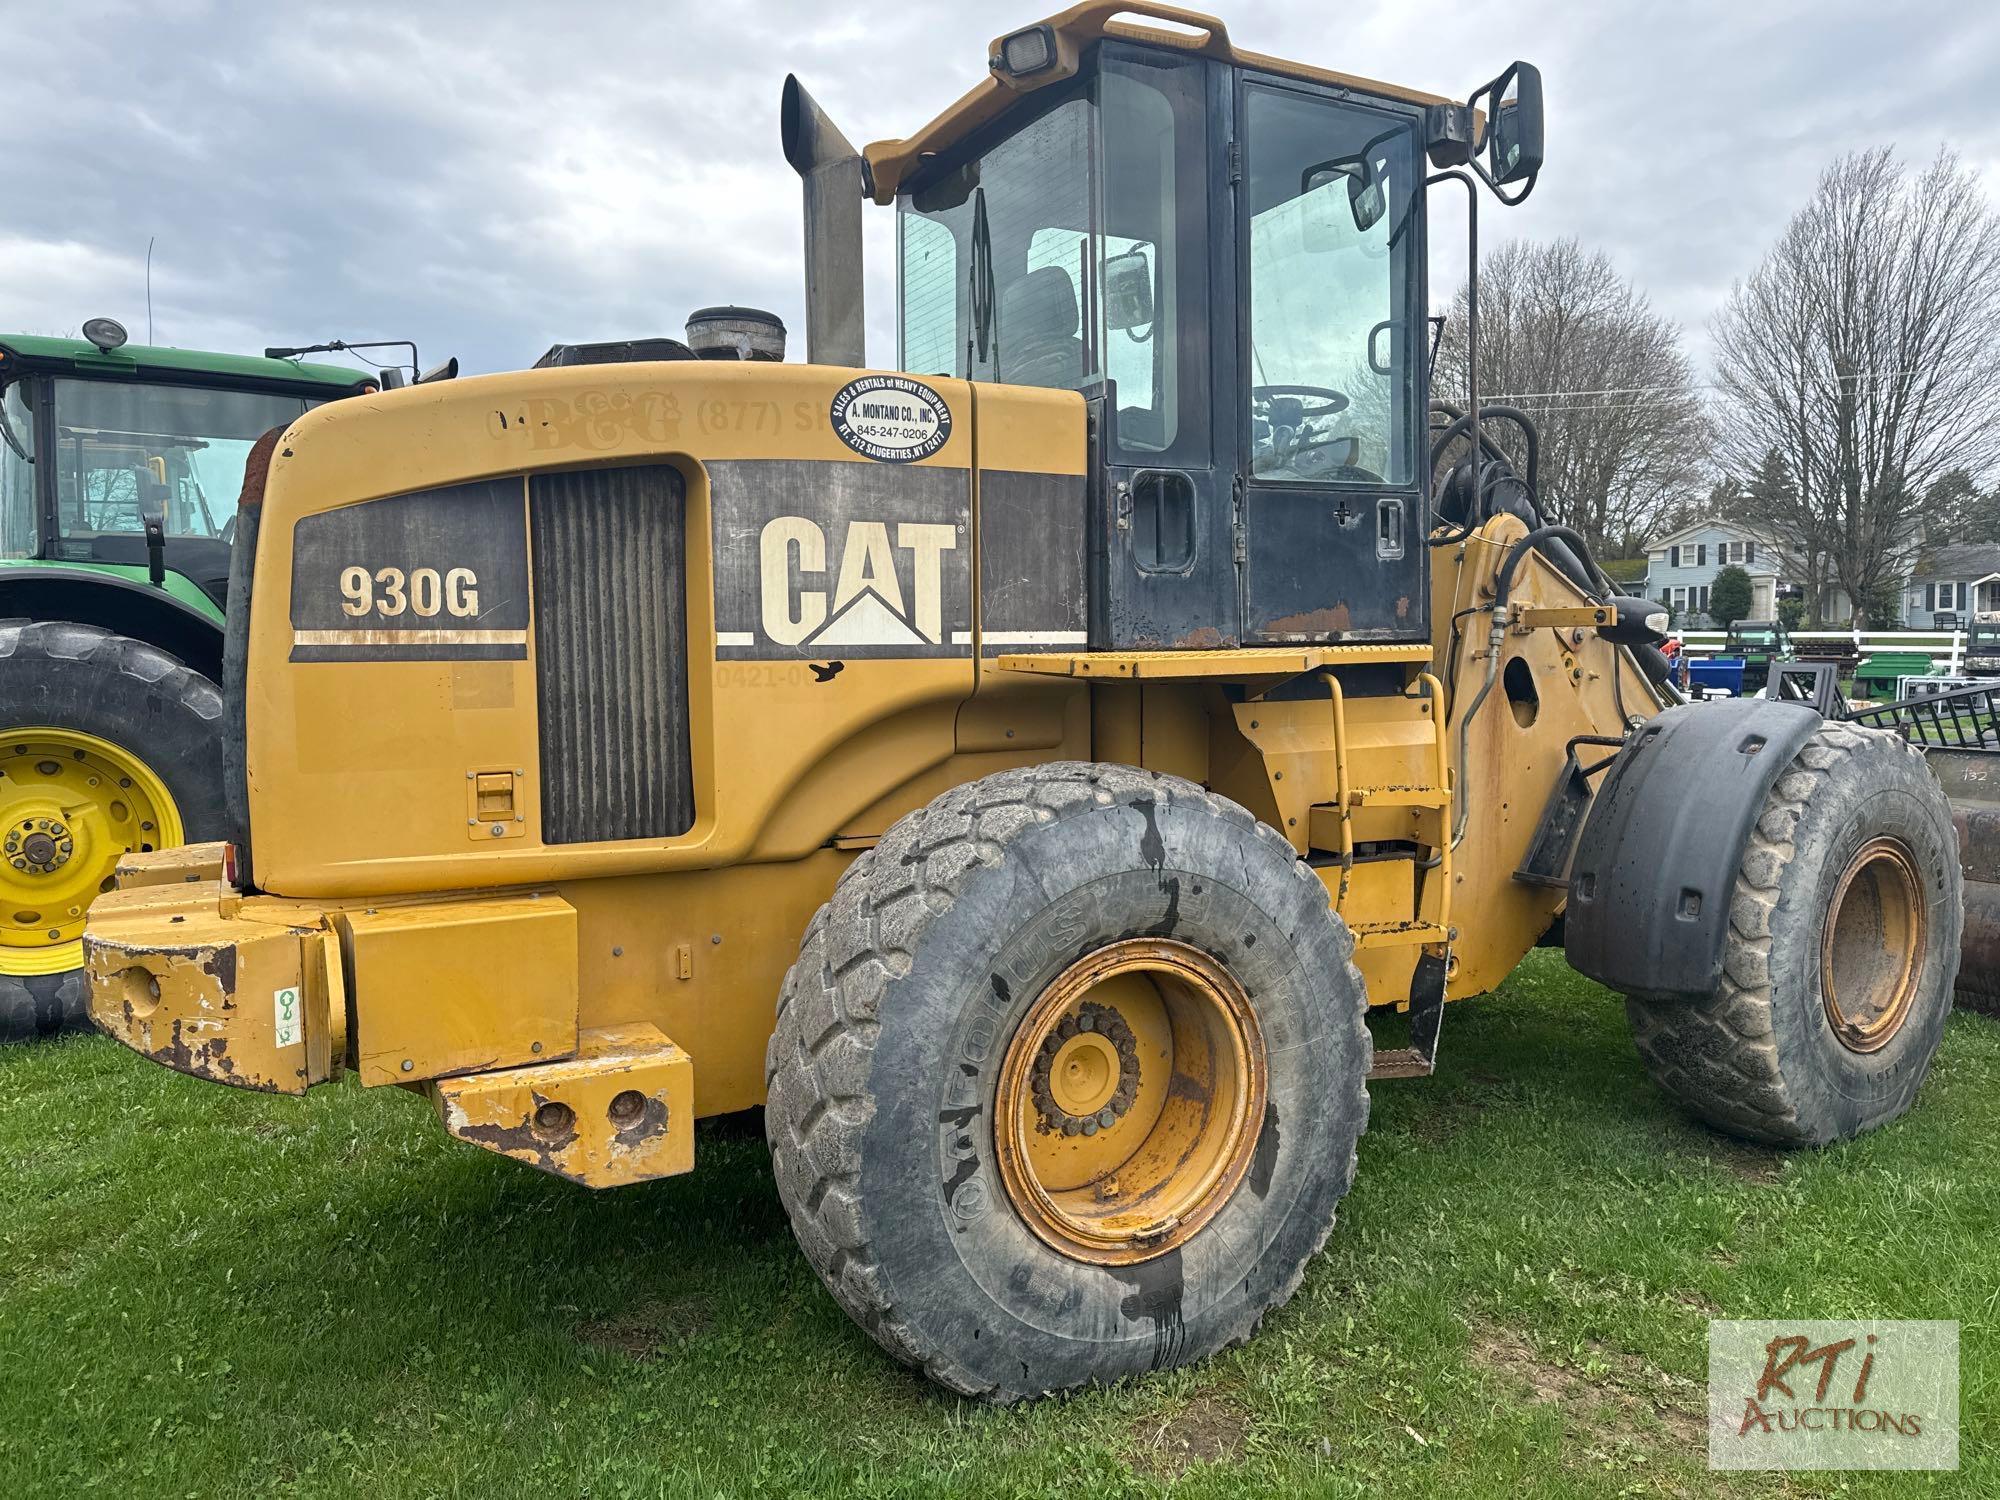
<point>108,745</point>
<point>1066,1082</point>
<point>1841,954</point>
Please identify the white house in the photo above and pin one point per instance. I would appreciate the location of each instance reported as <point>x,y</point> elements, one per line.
<point>1681,569</point>
<point>1953,584</point>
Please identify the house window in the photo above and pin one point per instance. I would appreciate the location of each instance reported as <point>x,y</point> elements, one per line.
<point>1947,596</point>
<point>1736,552</point>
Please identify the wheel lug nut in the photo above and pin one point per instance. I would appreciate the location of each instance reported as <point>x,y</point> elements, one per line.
<point>1107,1118</point>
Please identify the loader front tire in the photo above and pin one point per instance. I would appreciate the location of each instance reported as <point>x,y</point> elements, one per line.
<point>1066,1083</point>
<point>1840,958</point>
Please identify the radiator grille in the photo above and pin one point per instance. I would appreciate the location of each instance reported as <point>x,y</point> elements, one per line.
<point>609,548</point>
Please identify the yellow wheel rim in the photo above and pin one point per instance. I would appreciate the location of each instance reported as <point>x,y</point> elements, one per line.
<point>1130,1101</point>
<point>71,806</point>
<point>1872,947</point>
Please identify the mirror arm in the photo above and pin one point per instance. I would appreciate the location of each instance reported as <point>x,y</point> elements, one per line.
<point>1500,192</point>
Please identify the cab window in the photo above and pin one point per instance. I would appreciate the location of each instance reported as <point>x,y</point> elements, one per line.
<point>120,445</point>
<point>988,287</point>
<point>1332,189</point>
<point>17,474</point>
<point>1073,250</point>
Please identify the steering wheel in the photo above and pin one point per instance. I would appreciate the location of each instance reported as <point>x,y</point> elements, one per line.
<point>1296,445</point>
<point>1314,400</point>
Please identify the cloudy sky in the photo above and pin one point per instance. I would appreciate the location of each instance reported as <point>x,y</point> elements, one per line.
<point>490,178</point>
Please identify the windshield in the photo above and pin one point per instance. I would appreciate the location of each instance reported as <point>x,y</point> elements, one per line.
<point>17,474</point>
<point>121,444</point>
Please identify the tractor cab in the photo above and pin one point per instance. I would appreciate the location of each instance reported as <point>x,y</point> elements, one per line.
<point>1225,254</point>
<point>121,466</point>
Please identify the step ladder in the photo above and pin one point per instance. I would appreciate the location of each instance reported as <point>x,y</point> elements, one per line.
<point>1428,925</point>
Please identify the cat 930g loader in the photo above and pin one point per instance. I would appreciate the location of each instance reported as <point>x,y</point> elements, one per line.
<point>1020,772</point>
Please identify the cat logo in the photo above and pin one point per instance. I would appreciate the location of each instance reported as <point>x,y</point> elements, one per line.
<point>868,605</point>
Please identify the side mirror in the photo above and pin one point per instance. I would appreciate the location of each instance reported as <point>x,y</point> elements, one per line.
<point>1128,291</point>
<point>1366,200</point>
<point>1513,144</point>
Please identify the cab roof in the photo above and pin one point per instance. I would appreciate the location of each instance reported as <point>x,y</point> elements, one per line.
<point>80,357</point>
<point>1074,30</point>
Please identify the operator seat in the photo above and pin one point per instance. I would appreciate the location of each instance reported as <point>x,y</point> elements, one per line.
<point>1038,331</point>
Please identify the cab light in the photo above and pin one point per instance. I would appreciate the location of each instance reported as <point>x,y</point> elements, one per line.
<point>1029,51</point>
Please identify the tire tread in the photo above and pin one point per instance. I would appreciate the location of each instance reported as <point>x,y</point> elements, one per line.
<point>816,1063</point>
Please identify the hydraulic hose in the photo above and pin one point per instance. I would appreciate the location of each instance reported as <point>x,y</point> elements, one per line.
<point>1496,637</point>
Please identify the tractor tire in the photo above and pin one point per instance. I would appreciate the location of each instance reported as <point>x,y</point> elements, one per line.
<point>933,1146</point>
<point>1841,954</point>
<point>115,709</point>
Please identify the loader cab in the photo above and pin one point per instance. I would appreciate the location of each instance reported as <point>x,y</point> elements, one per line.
<point>1227,261</point>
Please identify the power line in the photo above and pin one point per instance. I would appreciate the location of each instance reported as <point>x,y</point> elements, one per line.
<point>1692,385</point>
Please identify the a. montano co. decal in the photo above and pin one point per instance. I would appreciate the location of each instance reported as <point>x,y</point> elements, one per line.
<point>891,418</point>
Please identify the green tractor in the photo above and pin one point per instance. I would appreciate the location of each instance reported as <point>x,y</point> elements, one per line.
<point>120,468</point>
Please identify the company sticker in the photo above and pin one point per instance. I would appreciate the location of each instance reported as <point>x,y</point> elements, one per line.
<point>891,418</point>
<point>285,1009</point>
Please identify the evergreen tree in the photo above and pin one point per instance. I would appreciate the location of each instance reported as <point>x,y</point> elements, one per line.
<point>1729,596</point>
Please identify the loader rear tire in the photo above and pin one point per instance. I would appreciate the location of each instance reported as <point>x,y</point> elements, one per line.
<point>1840,958</point>
<point>924,1125</point>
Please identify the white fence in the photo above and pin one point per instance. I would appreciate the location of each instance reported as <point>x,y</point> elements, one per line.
<point>1946,647</point>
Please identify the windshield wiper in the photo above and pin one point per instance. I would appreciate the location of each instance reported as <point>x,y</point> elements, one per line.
<point>115,434</point>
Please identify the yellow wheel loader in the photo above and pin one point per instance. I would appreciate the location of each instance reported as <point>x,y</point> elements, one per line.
<point>1023,771</point>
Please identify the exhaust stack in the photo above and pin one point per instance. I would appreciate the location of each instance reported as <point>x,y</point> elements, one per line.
<point>834,187</point>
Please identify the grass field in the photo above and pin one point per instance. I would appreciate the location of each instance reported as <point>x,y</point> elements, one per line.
<point>204,1292</point>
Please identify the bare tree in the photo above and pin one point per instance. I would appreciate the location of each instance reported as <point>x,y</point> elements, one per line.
<point>1568,340</point>
<point>1863,352</point>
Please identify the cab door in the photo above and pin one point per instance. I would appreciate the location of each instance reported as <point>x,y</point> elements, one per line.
<point>1331,389</point>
